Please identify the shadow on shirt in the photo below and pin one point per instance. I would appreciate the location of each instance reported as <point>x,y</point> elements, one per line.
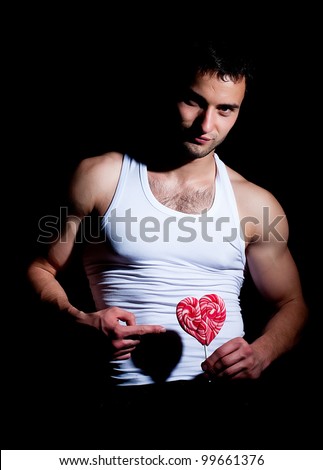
<point>157,355</point>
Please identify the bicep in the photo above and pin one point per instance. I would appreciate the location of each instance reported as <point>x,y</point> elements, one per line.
<point>274,271</point>
<point>269,260</point>
<point>60,249</point>
<point>88,194</point>
<point>81,204</point>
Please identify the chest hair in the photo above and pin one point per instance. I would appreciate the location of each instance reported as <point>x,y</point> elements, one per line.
<point>188,199</point>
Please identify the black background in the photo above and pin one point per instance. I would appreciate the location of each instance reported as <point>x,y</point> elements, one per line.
<point>75,92</point>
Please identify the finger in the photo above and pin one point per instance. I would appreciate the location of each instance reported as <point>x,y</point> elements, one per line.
<point>140,330</point>
<point>122,356</point>
<point>229,347</point>
<point>210,372</point>
<point>134,338</point>
<point>213,367</point>
<point>127,317</point>
<point>223,356</point>
<point>155,329</point>
<point>125,344</point>
<point>130,342</point>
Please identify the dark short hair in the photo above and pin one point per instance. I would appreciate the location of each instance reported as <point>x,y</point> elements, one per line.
<point>213,55</point>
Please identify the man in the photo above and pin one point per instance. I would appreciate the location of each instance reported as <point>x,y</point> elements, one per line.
<point>177,223</point>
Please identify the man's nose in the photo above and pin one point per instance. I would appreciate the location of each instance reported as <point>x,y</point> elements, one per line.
<point>208,119</point>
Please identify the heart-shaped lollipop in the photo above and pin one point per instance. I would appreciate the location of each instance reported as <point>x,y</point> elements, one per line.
<point>202,318</point>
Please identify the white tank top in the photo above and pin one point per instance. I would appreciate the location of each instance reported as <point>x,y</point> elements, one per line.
<point>153,256</point>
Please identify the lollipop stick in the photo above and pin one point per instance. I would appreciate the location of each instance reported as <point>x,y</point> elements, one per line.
<point>205,354</point>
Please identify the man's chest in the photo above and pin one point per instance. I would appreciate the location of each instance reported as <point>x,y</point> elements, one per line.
<point>186,198</point>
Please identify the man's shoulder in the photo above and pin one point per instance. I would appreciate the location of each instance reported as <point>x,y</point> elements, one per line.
<point>245,187</point>
<point>91,170</point>
<point>251,197</point>
<point>101,167</point>
<point>105,160</point>
<point>95,180</point>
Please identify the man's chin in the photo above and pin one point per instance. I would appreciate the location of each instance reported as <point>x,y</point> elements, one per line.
<point>194,151</point>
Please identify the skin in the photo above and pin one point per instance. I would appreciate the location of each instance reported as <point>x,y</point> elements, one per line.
<point>206,114</point>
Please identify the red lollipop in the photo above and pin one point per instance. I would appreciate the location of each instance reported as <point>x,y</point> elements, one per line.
<point>202,318</point>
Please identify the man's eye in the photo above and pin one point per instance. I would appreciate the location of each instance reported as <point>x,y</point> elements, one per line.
<point>225,110</point>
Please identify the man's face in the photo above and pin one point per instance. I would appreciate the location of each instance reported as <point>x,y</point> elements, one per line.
<point>207,112</point>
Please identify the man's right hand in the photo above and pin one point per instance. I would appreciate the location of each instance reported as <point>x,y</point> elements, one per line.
<point>120,326</point>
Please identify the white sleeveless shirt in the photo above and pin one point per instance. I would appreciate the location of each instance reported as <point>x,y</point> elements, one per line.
<point>153,256</point>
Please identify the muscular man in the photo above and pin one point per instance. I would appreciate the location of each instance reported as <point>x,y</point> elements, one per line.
<point>179,224</point>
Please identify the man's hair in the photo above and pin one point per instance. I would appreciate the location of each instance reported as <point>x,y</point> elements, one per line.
<point>213,55</point>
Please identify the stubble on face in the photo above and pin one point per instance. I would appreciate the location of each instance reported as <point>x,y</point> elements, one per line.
<point>194,151</point>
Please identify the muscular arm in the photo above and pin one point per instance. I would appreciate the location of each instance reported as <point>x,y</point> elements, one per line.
<point>92,188</point>
<point>275,275</point>
<point>85,195</point>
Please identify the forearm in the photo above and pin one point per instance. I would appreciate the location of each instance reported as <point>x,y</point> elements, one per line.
<point>51,292</point>
<point>282,332</point>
